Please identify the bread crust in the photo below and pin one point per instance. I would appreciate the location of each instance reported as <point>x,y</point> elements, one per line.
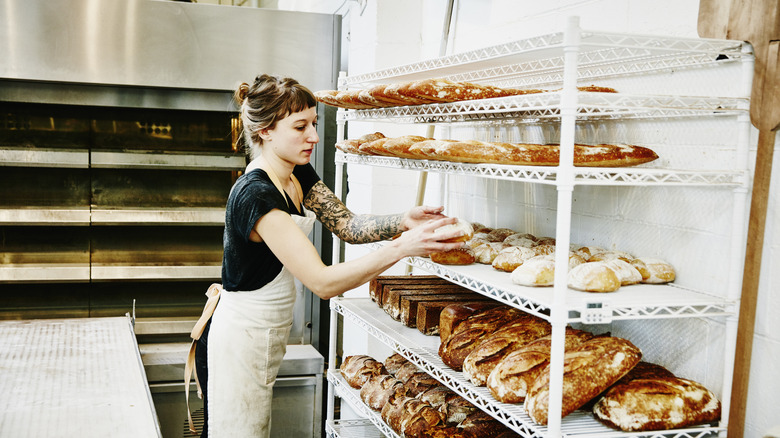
<point>588,370</point>
<point>357,369</point>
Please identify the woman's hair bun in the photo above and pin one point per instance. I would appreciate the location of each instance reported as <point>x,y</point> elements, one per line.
<point>241,93</point>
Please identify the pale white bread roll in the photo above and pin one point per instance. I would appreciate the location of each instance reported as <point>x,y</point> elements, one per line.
<point>660,403</point>
<point>544,249</point>
<point>536,271</point>
<point>462,226</point>
<point>521,239</point>
<point>588,369</point>
<point>499,234</point>
<point>486,253</point>
<point>400,146</point>
<point>477,240</point>
<point>511,378</point>
<point>658,271</point>
<point>481,361</point>
<point>626,273</point>
<point>457,256</point>
<point>510,258</point>
<point>593,277</point>
<point>587,252</point>
<point>603,256</point>
<point>574,260</point>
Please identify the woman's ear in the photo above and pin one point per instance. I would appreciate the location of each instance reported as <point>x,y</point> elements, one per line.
<point>264,134</point>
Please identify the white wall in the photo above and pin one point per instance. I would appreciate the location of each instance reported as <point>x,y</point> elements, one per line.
<point>392,32</point>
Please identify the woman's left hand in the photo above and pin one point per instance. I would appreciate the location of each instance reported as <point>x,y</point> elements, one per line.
<point>420,215</point>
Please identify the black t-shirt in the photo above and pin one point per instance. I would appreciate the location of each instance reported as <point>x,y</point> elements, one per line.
<point>248,265</point>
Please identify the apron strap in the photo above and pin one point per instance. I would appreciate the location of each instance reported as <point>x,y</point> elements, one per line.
<point>189,366</point>
<point>262,164</point>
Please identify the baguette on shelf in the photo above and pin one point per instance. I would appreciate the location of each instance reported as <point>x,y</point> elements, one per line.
<point>475,151</point>
<point>426,91</point>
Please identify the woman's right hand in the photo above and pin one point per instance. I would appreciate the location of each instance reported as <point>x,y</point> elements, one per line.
<point>422,241</point>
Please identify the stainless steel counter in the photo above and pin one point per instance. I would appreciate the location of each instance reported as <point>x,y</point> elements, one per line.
<point>73,377</point>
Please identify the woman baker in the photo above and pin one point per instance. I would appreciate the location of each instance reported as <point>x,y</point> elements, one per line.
<point>270,211</point>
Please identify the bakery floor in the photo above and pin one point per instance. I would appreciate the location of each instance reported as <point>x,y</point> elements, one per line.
<point>73,377</point>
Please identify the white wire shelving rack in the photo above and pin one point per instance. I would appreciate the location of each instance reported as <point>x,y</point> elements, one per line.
<point>558,63</point>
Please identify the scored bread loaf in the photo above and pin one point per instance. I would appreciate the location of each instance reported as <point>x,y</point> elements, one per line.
<point>410,303</point>
<point>394,362</point>
<point>447,432</point>
<point>470,333</point>
<point>654,271</point>
<point>485,254</point>
<point>444,90</point>
<point>399,146</point>
<point>511,378</point>
<point>420,382</point>
<point>588,369</point>
<point>483,359</point>
<point>393,411</point>
<point>456,410</point>
<point>353,146</point>
<point>406,371</point>
<point>626,273</point>
<point>418,416</point>
<point>374,147</point>
<point>455,314</point>
<point>461,226</point>
<point>482,424</point>
<point>593,277</point>
<point>429,313</point>
<point>657,403</point>
<point>357,369</point>
<point>510,258</point>
<point>536,271</point>
<point>379,388</point>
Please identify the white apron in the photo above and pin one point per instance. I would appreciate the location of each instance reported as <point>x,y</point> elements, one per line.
<point>247,341</point>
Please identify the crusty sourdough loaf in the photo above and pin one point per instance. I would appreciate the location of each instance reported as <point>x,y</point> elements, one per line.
<point>536,271</point>
<point>511,257</point>
<point>406,371</point>
<point>511,378</point>
<point>483,425</point>
<point>593,277</point>
<point>357,369</point>
<point>429,313</point>
<point>453,315</point>
<point>512,336</point>
<point>418,416</point>
<point>410,303</point>
<point>420,382</point>
<point>379,388</point>
<point>646,402</point>
<point>393,362</point>
<point>470,333</point>
<point>393,411</point>
<point>456,410</point>
<point>588,370</point>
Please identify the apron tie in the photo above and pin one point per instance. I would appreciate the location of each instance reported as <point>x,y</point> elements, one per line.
<point>213,298</point>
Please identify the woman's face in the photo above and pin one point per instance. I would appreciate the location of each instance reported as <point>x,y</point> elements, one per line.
<point>294,136</point>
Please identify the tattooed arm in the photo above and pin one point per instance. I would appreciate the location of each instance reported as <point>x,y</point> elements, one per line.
<point>363,228</point>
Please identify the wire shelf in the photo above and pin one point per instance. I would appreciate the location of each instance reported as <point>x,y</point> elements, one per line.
<point>547,175</point>
<point>638,301</point>
<point>352,429</point>
<point>422,350</point>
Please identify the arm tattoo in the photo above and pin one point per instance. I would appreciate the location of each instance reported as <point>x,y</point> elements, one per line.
<point>348,226</point>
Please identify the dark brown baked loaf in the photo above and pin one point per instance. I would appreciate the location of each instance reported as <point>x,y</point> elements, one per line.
<point>358,368</point>
<point>409,303</point>
<point>379,388</point>
<point>377,285</point>
<point>429,313</point>
<point>393,411</point>
<point>470,333</point>
<point>453,315</point>
<point>483,425</point>
<point>420,382</point>
<point>456,410</point>
<point>447,432</point>
<point>406,371</point>
<point>480,362</point>
<point>394,362</point>
<point>391,297</point>
<point>437,396</point>
<point>511,378</point>
<point>588,370</point>
<point>657,403</point>
<point>417,417</point>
